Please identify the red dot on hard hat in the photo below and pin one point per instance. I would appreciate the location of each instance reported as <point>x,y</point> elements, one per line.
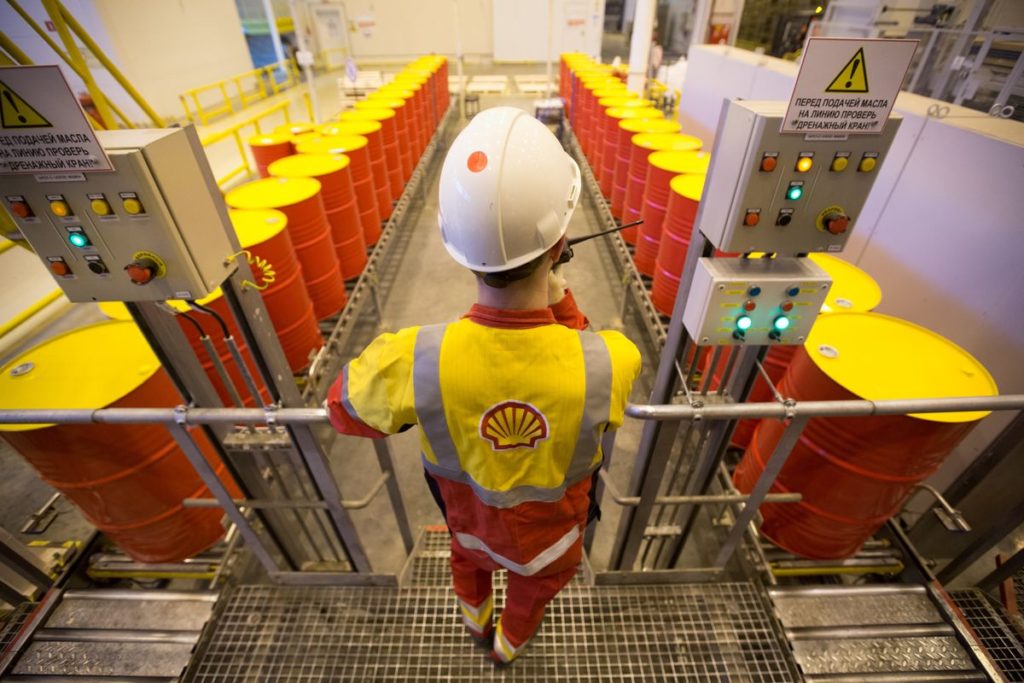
<point>477,162</point>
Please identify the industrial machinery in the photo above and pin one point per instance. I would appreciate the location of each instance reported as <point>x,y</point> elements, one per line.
<point>691,590</point>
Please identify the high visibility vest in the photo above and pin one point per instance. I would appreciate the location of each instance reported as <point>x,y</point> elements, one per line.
<point>517,414</point>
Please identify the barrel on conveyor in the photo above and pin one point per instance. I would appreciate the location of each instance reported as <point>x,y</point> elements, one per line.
<point>356,148</point>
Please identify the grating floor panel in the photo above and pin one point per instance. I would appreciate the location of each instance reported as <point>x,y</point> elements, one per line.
<point>9,628</point>
<point>998,637</point>
<point>705,632</point>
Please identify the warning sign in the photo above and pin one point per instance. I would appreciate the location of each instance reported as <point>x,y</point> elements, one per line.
<point>42,126</point>
<point>833,94</point>
<point>853,77</point>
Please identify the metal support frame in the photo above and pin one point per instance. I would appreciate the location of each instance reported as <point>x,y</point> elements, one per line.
<point>16,557</point>
<point>985,541</point>
<point>1004,571</point>
<point>978,10</point>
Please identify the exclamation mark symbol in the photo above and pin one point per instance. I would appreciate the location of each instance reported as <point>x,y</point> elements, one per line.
<point>849,83</point>
<point>14,104</point>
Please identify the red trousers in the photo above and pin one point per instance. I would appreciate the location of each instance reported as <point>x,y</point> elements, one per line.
<point>525,599</point>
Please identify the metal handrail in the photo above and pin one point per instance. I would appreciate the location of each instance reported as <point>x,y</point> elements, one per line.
<point>734,411</point>
<point>235,131</point>
<point>262,76</point>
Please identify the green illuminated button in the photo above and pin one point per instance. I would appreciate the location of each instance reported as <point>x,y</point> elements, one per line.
<point>744,322</point>
<point>795,191</point>
<point>78,239</point>
<point>782,323</point>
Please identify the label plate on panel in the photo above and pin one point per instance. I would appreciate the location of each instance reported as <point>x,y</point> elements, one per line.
<point>847,86</point>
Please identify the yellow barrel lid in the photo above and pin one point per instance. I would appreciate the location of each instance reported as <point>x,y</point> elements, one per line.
<point>272,193</point>
<point>269,139</point>
<point>416,71</point>
<point>369,114</point>
<point>853,290</point>
<point>879,357</point>
<point>681,162</point>
<point>652,125</point>
<point>364,127</point>
<point>115,310</point>
<point>614,89</point>
<point>632,112</point>
<point>335,144</point>
<point>296,128</point>
<point>391,91</point>
<point>667,141</point>
<point>599,81</point>
<point>410,82</point>
<point>256,226</point>
<point>381,103</point>
<point>689,185</point>
<point>630,101</point>
<point>308,165</point>
<point>85,369</point>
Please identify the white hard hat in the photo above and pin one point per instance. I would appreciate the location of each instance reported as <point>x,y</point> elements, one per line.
<point>507,191</point>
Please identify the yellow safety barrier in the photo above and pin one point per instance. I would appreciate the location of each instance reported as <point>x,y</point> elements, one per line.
<point>247,87</point>
<point>235,132</point>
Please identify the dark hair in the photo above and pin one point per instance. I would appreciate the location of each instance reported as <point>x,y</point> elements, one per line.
<point>502,279</point>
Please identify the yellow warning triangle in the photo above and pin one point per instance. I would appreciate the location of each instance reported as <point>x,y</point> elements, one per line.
<point>15,112</point>
<point>853,77</point>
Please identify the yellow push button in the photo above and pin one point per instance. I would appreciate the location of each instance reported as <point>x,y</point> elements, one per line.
<point>839,164</point>
<point>60,208</point>
<point>867,164</point>
<point>100,207</point>
<point>133,206</point>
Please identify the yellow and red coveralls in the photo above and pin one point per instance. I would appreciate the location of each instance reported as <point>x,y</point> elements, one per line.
<point>512,406</point>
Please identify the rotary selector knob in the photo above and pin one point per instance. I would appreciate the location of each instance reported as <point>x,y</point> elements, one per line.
<point>142,271</point>
<point>836,223</point>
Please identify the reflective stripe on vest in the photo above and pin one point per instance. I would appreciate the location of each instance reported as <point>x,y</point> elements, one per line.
<point>430,414</point>
<point>542,559</point>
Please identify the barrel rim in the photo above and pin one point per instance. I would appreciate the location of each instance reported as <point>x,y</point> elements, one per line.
<point>308,165</point>
<point>270,193</point>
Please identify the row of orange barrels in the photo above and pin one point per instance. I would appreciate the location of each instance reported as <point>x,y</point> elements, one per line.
<point>324,194</point>
<point>854,474</point>
<point>645,166</point>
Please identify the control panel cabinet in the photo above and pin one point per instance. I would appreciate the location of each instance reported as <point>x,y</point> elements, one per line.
<point>786,194</point>
<point>153,229</point>
<point>758,302</point>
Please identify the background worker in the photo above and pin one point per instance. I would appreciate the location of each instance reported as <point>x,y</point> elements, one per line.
<point>513,399</point>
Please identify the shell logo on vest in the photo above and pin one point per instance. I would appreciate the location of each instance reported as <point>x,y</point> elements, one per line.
<point>513,424</point>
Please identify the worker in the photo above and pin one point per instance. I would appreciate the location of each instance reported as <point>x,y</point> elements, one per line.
<point>513,399</point>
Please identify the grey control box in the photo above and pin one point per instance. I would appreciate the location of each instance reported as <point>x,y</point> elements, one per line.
<point>786,193</point>
<point>757,301</point>
<point>153,229</point>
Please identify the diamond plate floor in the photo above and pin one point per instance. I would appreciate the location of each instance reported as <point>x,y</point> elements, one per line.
<point>701,632</point>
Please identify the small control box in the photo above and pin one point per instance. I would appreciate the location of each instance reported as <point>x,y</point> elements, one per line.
<point>786,193</point>
<point>759,301</point>
<point>153,229</point>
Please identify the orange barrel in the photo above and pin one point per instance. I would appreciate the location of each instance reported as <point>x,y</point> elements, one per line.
<point>128,480</point>
<point>592,71</point>
<point>378,165</point>
<point>426,77</point>
<point>355,147</point>
<point>371,110</point>
<point>634,109</point>
<point>623,148</point>
<point>425,127</point>
<point>853,290</point>
<point>439,66</point>
<point>685,196</point>
<point>339,197</point>
<point>607,96</point>
<point>642,145</point>
<point>408,125</point>
<point>587,105</point>
<point>267,149</point>
<point>299,199</point>
<point>855,473</point>
<point>263,233</point>
<point>403,132</point>
<point>661,168</point>
<point>567,63</point>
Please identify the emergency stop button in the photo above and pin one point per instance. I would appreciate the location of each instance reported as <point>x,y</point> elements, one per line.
<point>836,223</point>
<point>142,271</point>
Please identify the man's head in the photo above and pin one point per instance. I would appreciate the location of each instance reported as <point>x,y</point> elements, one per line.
<point>507,192</point>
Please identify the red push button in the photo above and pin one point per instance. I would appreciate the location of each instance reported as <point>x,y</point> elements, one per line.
<point>768,163</point>
<point>749,305</point>
<point>59,268</point>
<point>836,224</point>
<point>751,219</point>
<point>787,306</point>
<point>141,272</point>
<point>21,210</point>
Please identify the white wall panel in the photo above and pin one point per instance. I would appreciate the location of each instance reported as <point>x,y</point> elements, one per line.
<point>404,29</point>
